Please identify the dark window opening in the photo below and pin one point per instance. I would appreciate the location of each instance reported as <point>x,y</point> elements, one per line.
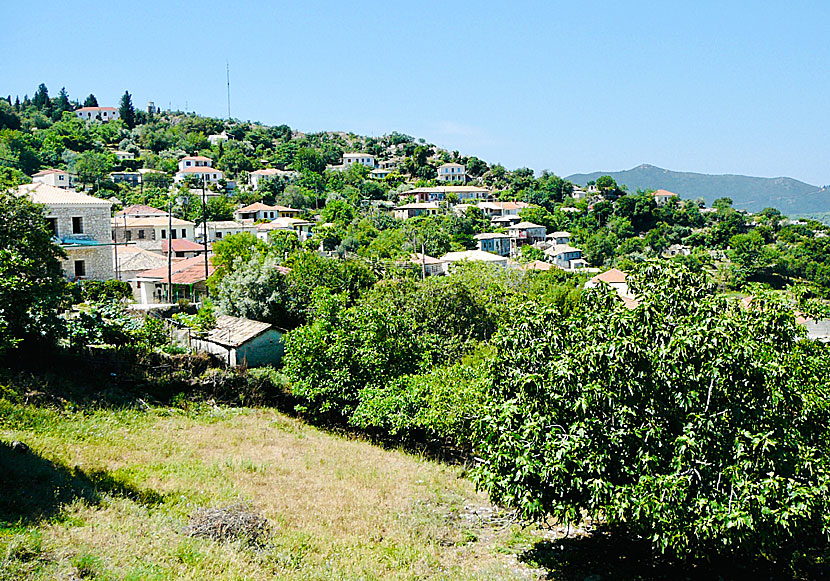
<point>77,225</point>
<point>80,268</point>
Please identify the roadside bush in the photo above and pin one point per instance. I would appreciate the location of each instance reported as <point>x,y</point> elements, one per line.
<point>687,421</point>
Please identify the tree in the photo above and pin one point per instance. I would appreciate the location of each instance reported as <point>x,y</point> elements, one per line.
<point>92,167</point>
<point>126,111</point>
<point>31,282</point>
<point>41,97</point>
<point>256,290</point>
<point>90,101</point>
<point>61,104</point>
<point>309,160</point>
<point>689,421</point>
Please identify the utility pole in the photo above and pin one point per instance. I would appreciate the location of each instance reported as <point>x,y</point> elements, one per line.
<point>423,261</point>
<point>204,229</point>
<point>169,252</point>
<point>115,243</point>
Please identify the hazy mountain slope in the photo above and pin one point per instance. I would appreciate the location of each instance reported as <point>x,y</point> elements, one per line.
<point>750,193</point>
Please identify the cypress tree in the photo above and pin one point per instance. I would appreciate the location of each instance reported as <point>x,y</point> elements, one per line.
<point>127,111</point>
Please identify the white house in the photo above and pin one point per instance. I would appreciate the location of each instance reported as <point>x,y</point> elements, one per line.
<point>526,233</point>
<point>222,229</point>
<point>560,237</point>
<point>80,224</point>
<point>122,155</point>
<point>429,265</point>
<point>217,137</point>
<point>97,113</point>
<point>440,193</point>
<point>663,196</point>
<point>367,159</point>
<point>452,172</point>
<point>55,177</point>
<point>615,278</point>
<point>472,256</point>
<point>201,173</point>
<point>381,173</point>
<point>141,211</point>
<point>194,161</point>
<point>257,177</point>
<point>493,242</point>
<point>499,209</point>
<point>302,228</point>
<point>416,209</point>
<point>259,211</point>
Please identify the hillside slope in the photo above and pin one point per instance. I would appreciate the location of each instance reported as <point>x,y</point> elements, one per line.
<point>790,196</point>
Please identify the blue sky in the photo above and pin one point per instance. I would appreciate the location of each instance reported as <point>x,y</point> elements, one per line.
<point>714,87</point>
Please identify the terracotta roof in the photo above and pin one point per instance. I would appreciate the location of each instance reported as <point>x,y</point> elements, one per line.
<point>235,331</point>
<point>256,207</point>
<point>188,271</point>
<point>663,193</point>
<point>97,109</point>
<point>46,172</point>
<point>613,276</point>
<point>196,158</point>
<point>141,209</point>
<point>41,193</point>
<point>504,205</point>
<point>419,258</point>
<point>132,222</point>
<point>537,265</point>
<point>629,302</point>
<point>201,169</point>
<point>524,226</point>
<point>182,245</point>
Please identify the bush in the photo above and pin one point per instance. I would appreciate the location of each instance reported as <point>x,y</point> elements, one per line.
<point>689,421</point>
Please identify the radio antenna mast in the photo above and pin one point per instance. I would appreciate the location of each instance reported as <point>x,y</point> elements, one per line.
<point>228,70</point>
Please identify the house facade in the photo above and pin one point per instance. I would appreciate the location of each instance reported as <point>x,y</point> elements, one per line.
<point>452,172</point>
<point>407,211</point>
<point>150,232</point>
<point>80,224</point>
<point>258,177</point>
<point>103,114</point>
<point>302,228</point>
<point>493,242</point>
<point>55,177</point>
<point>222,229</point>
<point>242,342</point>
<point>526,233</point>
<point>440,193</point>
<point>367,159</point>
<point>564,256</point>
<point>259,211</point>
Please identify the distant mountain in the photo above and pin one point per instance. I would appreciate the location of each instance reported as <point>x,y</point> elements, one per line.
<point>790,196</point>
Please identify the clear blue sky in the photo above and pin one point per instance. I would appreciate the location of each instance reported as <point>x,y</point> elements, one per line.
<point>715,87</point>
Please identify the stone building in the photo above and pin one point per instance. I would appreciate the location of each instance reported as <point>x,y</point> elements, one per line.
<point>81,225</point>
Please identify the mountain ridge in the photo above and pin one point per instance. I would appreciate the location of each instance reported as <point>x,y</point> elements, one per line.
<point>790,196</point>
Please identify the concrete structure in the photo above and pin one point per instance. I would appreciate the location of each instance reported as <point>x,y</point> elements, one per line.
<point>258,177</point>
<point>97,113</point>
<point>122,155</point>
<point>55,177</point>
<point>131,178</point>
<point>417,209</point>
<point>452,172</point>
<point>471,256</point>
<point>560,237</point>
<point>149,232</point>
<point>201,173</point>
<point>500,209</point>
<point>242,342</point>
<point>493,242</point>
<point>259,211</point>
<point>81,225</point>
<point>440,193</point>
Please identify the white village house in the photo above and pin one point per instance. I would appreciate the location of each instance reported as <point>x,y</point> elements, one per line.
<point>103,114</point>
<point>258,177</point>
<point>452,172</point>
<point>493,242</point>
<point>81,225</point>
<point>55,177</point>
<point>199,167</point>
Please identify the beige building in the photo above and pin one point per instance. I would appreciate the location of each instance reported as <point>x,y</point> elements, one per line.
<point>258,177</point>
<point>222,229</point>
<point>97,113</point>
<point>150,232</point>
<point>367,159</point>
<point>452,172</point>
<point>81,225</point>
<point>259,211</point>
<point>55,177</point>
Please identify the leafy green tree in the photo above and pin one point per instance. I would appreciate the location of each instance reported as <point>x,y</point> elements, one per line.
<point>90,101</point>
<point>31,282</point>
<point>688,421</point>
<point>41,97</point>
<point>126,111</point>
<point>8,118</point>
<point>232,250</point>
<point>338,211</point>
<point>256,290</point>
<point>92,167</point>
<point>307,159</point>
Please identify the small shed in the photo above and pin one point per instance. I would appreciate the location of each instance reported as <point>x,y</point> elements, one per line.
<point>243,342</point>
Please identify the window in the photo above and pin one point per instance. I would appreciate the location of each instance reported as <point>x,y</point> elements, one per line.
<point>80,268</point>
<point>53,225</point>
<point>129,235</point>
<point>141,234</point>
<point>60,177</point>
<point>77,225</point>
<point>173,234</point>
<point>218,235</point>
<point>163,234</point>
<point>184,233</point>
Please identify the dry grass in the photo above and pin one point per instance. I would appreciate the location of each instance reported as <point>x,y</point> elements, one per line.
<point>337,508</point>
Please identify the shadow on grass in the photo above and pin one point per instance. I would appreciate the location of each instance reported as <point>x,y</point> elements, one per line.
<point>33,488</point>
<point>605,555</point>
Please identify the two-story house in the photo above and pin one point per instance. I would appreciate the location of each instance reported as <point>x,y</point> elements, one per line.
<point>81,225</point>
<point>493,242</point>
<point>559,237</point>
<point>259,211</point>
<point>565,256</point>
<point>440,193</point>
<point>258,177</point>
<point>367,159</point>
<point>199,167</point>
<point>452,172</point>
<point>220,230</point>
<point>55,177</point>
<point>525,233</point>
<point>150,232</point>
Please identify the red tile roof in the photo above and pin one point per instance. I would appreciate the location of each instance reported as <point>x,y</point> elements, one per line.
<point>97,109</point>
<point>189,271</point>
<point>141,209</point>
<point>182,245</point>
<point>201,169</point>
<point>663,193</point>
<point>196,158</point>
<point>611,276</point>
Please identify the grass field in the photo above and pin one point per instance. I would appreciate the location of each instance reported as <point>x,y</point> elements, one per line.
<point>108,494</point>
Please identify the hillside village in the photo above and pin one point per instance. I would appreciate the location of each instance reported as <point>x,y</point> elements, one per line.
<point>582,350</point>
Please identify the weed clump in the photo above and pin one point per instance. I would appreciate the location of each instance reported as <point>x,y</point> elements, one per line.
<point>234,522</point>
